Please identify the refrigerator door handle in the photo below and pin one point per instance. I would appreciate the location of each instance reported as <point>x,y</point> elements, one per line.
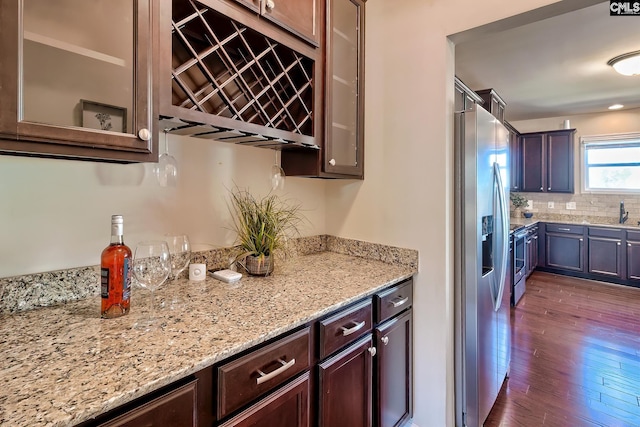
<point>503,245</point>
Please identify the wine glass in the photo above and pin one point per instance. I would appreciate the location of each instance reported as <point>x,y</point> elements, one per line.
<point>151,267</point>
<point>180,250</point>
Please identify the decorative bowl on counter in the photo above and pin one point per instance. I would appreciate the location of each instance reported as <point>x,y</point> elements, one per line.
<point>527,214</point>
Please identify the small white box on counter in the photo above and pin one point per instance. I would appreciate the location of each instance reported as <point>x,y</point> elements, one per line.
<point>228,276</point>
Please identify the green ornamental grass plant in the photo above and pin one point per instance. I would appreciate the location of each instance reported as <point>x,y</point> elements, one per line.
<point>262,226</point>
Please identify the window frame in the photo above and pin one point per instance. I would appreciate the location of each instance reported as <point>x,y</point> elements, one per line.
<point>617,139</point>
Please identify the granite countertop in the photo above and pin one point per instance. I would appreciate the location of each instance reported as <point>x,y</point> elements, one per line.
<point>62,365</point>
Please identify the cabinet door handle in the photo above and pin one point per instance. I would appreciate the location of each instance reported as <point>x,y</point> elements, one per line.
<point>397,304</point>
<point>270,5</point>
<point>385,340</point>
<point>581,240</point>
<point>372,351</point>
<point>349,331</point>
<point>548,188</point>
<point>266,377</point>
<point>332,162</point>
<point>618,243</point>
<point>535,237</point>
<point>541,188</point>
<point>564,229</point>
<point>629,244</point>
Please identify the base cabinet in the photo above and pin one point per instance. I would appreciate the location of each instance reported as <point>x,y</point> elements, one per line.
<point>393,400</point>
<point>346,386</point>
<point>287,407</point>
<point>606,256</point>
<point>565,247</point>
<point>175,408</point>
<point>633,256</point>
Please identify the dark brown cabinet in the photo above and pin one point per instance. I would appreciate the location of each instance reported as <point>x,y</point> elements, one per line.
<point>255,374</point>
<point>532,248</point>
<point>633,256</point>
<point>515,158</point>
<point>299,17</point>
<point>547,161</point>
<point>78,97</point>
<point>176,407</point>
<point>345,383</point>
<point>342,153</point>
<point>394,405</point>
<point>605,251</point>
<point>226,74</point>
<point>465,98</point>
<point>493,103</point>
<point>286,407</point>
<point>394,359</point>
<point>565,247</point>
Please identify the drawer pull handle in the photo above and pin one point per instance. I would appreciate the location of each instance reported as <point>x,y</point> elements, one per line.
<point>372,351</point>
<point>349,331</point>
<point>266,377</point>
<point>385,340</point>
<point>564,229</point>
<point>397,304</point>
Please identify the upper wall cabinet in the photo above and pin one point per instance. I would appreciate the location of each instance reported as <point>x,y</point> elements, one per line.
<point>547,161</point>
<point>493,103</point>
<point>75,79</point>
<point>229,75</point>
<point>300,17</point>
<point>343,143</point>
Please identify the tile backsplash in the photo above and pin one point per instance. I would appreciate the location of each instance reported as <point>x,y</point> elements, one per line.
<point>594,208</point>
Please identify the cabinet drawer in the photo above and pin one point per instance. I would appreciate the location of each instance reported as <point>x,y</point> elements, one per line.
<point>394,300</point>
<point>633,235</point>
<point>613,233</point>
<point>344,327</point>
<point>256,373</point>
<point>288,406</point>
<point>175,408</point>
<point>565,228</point>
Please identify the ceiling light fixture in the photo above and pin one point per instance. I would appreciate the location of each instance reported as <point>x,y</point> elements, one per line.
<point>616,107</point>
<point>627,64</point>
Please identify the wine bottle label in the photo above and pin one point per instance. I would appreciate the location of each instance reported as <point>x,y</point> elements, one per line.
<point>104,282</point>
<point>126,291</point>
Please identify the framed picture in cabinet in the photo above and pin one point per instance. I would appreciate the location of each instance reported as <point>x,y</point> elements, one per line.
<point>96,115</point>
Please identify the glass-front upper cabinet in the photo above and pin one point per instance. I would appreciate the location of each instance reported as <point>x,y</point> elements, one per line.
<point>75,79</point>
<point>345,83</point>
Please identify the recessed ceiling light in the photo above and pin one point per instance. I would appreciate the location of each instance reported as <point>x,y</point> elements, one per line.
<point>616,107</point>
<point>627,64</point>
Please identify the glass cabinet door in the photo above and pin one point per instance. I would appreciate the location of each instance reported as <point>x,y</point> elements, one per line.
<point>345,112</point>
<point>81,76</point>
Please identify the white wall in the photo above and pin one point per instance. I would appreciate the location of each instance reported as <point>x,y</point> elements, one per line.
<point>56,214</point>
<point>407,195</point>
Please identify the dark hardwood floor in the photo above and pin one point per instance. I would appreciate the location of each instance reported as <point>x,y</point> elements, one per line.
<point>575,357</point>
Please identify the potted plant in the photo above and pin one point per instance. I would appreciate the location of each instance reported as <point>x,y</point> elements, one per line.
<point>519,202</point>
<point>262,227</point>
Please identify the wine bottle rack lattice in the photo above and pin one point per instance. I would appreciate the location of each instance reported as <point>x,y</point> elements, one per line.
<point>223,68</point>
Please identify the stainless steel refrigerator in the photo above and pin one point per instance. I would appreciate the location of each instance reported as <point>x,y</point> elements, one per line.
<point>482,328</point>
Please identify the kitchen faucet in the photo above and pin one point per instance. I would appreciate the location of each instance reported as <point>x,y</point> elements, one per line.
<point>624,216</point>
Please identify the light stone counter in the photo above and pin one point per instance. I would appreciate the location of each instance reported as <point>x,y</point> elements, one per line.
<point>62,365</point>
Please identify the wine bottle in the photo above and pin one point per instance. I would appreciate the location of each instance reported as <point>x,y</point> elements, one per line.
<point>115,273</point>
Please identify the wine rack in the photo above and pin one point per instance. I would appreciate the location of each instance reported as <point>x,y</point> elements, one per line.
<point>232,83</point>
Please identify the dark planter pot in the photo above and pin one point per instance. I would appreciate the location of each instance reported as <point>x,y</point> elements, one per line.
<point>258,266</point>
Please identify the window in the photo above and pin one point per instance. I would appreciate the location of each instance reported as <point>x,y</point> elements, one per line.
<point>611,163</point>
